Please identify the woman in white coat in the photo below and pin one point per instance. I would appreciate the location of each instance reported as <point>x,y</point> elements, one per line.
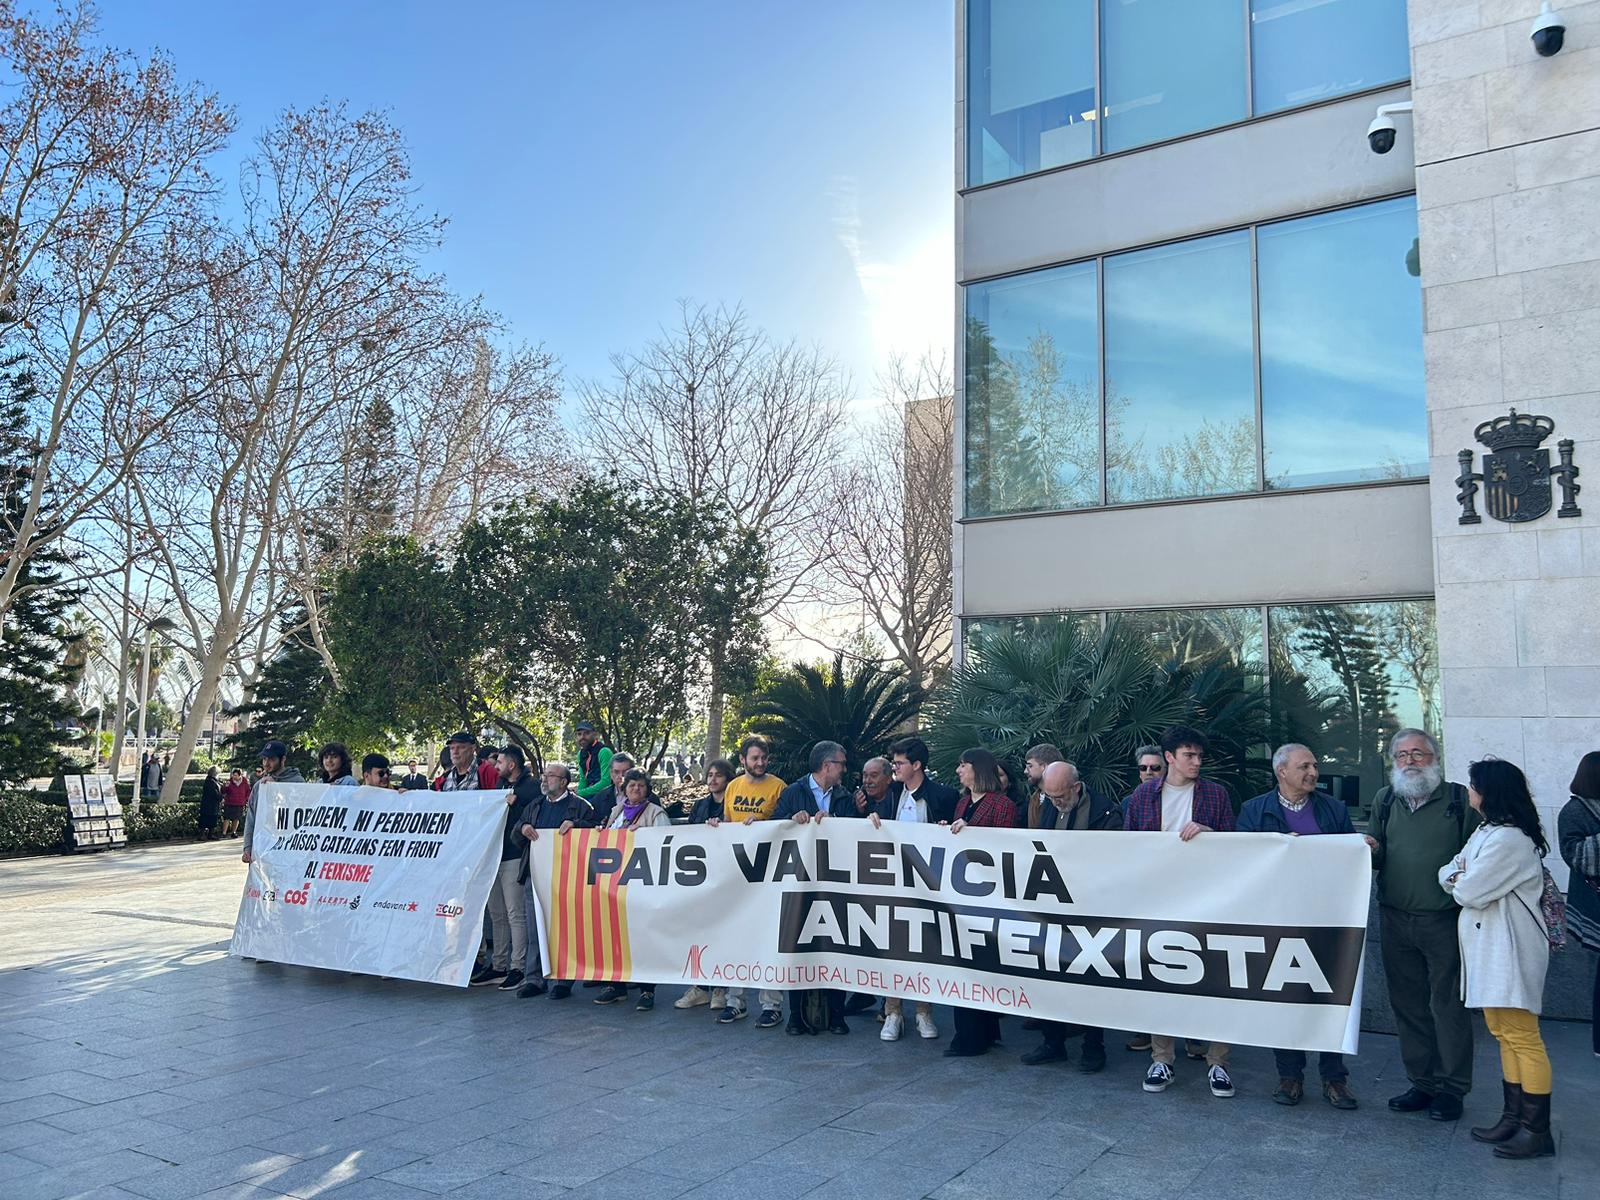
<point>1498,880</point>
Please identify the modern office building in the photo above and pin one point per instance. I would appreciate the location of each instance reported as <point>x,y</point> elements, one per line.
<point>1218,358</point>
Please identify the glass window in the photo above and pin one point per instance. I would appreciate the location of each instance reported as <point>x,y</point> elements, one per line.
<point>1344,677</point>
<point>977,630</point>
<point>1306,50</point>
<point>1186,638</point>
<point>1033,393</point>
<point>1341,347</point>
<point>1171,67</point>
<point>1030,86</point>
<point>1180,371</point>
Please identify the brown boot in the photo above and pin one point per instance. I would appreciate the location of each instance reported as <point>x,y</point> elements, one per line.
<point>1507,1125</point>
<point>1532,1138</point>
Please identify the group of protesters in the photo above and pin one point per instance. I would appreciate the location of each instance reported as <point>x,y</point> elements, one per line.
<point>1466,911</point>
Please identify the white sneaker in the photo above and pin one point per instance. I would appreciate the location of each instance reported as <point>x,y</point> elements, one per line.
<point>925,1026</point>
<point>891,1027</point>
<point>695,997</point>
<point>1158,1078</point>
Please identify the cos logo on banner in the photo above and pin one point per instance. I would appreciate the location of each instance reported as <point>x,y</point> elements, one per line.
<point>298,896</point>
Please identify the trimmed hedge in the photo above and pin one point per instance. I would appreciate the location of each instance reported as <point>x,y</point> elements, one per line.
<point>31,825</point>
<point>163,822</point>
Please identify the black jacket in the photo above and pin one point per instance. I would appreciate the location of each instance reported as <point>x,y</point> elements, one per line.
<point>797,798</point>
<point>603,802</point>
<point>526,791</point>
<point>1264,814</point>
<point>941,801</point>
<point>541,814</point>
<point>210,801</point>
<point>705,808</point>
<point>1104,813</point>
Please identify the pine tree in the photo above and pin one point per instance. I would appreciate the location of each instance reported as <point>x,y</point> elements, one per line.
<point>36,703</point>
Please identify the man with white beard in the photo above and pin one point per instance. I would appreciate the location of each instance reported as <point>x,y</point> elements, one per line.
<point>1419,822</point>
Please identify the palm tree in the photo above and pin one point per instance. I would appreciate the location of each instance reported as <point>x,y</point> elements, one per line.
<point>863,710</point>
<point>1098,694</point>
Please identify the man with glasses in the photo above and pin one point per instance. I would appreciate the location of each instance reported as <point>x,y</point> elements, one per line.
<point>1417,923</point>
<point>817,797</point>
<point>560,808</point>
<point>375,771</point>
<point>1150,764</point>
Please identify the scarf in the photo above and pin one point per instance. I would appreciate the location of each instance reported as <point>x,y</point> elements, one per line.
<point>630,812</point>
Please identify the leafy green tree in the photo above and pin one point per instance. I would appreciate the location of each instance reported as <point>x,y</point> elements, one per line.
<point>36,703</point>
<point>862,709</point>
<point>613,598</point>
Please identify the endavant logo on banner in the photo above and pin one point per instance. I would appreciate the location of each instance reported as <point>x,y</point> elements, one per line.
<point>1248,938</point>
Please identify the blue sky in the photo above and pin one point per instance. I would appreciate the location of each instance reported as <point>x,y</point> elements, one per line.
<point>600,160</point>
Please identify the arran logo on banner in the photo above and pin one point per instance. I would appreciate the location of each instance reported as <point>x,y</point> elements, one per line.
<point>691,967</point>
<point>448,911</point>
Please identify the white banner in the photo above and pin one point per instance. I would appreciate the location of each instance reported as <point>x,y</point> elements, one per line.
<point>371,880</point>
<point>1246,938</point>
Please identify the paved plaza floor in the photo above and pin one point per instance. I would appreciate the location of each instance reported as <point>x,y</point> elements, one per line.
<point>138,1061</point>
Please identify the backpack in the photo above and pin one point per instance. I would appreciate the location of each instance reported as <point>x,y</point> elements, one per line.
<point>1553,912</point>
<point>1457,808</point>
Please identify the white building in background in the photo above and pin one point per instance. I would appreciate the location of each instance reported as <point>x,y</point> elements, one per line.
<point>1218,358</point>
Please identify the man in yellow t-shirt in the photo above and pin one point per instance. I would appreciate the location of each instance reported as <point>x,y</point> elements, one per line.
<point>752,797</point>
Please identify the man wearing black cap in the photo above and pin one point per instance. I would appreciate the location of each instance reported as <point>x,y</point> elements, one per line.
<point>275,768</point>
<point>466,773</point>
<point>594,762</point>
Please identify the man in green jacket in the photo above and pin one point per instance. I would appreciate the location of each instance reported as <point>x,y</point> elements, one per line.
<point>594,762</point>
<point>1419,823</point>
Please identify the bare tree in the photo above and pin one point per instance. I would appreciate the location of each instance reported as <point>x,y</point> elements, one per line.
<point>104,195</point>
<point>892,512</point>
<point>715,408</point>
<point>310,306</point>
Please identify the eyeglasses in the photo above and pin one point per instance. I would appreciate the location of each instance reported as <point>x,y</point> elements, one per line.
<point>1420,756</point>
<point>383,772</point>
<point>1150,769</point>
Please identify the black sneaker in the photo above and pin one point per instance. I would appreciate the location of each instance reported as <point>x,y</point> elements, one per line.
<point>1221,1082</point>
<point>732,1013</point>
<point>647,1002</point>
<point>1092,1060</point>
<point>511,982</point>
<point>611,994</point>
<point>560,991</point>
<point>532,987</point>
<point>1158,1078</point>
<point>484,976</point>
<point>770,1018</point>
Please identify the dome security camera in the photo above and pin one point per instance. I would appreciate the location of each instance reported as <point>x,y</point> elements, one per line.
<point>1549,32</point>
<point>1380,134</point>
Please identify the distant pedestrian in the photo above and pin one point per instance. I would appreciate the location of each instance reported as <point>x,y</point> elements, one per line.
<point>150,777</point>
<point>210,805</point>
<point>235,795</point>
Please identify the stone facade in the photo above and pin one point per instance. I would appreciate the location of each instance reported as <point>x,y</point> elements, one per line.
<point>1508,198</point>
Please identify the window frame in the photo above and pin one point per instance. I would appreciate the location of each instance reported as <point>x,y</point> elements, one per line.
<point>1260,489</point>
<point>1098,151</point>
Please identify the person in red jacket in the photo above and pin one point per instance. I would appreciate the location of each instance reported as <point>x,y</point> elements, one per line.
<point>466,773</point>
<point>235,795</point>
<point>982,803</point>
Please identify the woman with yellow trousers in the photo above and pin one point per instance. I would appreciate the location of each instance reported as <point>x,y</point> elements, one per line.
<point>1498,880</point>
